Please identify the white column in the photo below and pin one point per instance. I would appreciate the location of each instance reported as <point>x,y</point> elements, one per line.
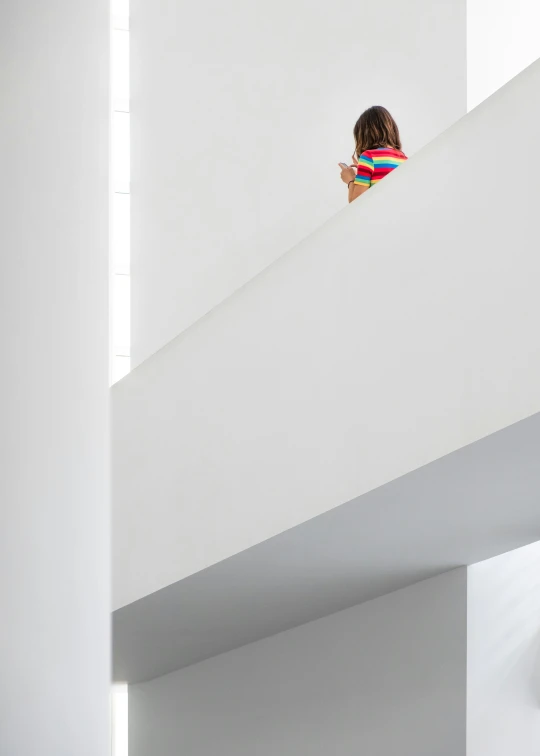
<point>54,542</point>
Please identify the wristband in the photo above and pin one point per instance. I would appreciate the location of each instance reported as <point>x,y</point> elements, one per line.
<point>351,182</point>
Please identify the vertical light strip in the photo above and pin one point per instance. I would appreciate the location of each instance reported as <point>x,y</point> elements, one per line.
<point>119,717</point>
<point>120,211</point>
<point>120,270</point>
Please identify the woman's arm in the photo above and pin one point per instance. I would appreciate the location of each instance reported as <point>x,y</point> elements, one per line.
<point>355,190</point>
<point>348,176</point>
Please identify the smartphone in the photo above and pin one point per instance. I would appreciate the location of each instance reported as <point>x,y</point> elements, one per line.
<point>344,165</point>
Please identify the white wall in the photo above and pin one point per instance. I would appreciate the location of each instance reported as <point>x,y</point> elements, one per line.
<point>503,679</point>
<point>503,38</point>
<point>239,116</point>
<point>357,357</point>
<point>385,677</point>
<point>54,546</point>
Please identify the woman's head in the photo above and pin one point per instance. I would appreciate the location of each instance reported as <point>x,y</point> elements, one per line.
<point>376,128</point>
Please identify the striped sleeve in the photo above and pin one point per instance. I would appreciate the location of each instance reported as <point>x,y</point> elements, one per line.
<point>365,169</point>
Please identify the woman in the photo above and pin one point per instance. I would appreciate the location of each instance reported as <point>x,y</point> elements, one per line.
<point>377,153</point>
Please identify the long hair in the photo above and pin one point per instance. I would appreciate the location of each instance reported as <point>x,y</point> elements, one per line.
<point>376,128</point>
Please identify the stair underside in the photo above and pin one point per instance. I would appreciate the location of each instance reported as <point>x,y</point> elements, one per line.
<point>473,504</point>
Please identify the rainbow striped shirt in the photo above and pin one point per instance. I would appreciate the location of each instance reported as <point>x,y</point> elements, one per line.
<point>374,165</point>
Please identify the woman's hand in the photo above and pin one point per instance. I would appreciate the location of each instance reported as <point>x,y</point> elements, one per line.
<point>348,173</point>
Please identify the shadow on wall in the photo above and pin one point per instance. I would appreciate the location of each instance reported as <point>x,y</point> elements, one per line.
<point>504,628</point>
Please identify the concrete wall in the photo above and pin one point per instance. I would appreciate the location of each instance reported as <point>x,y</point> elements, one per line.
<point>385,677</point>
<point>355,358</point>
<point>54,545</point>
<point>502,39</point>
<point>239,116</point>
<point>503,679</point>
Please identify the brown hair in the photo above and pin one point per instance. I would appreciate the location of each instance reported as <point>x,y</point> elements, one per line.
<point>376,128</point>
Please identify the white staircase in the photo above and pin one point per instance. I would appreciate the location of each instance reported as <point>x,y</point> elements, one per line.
<point>369,365</point>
